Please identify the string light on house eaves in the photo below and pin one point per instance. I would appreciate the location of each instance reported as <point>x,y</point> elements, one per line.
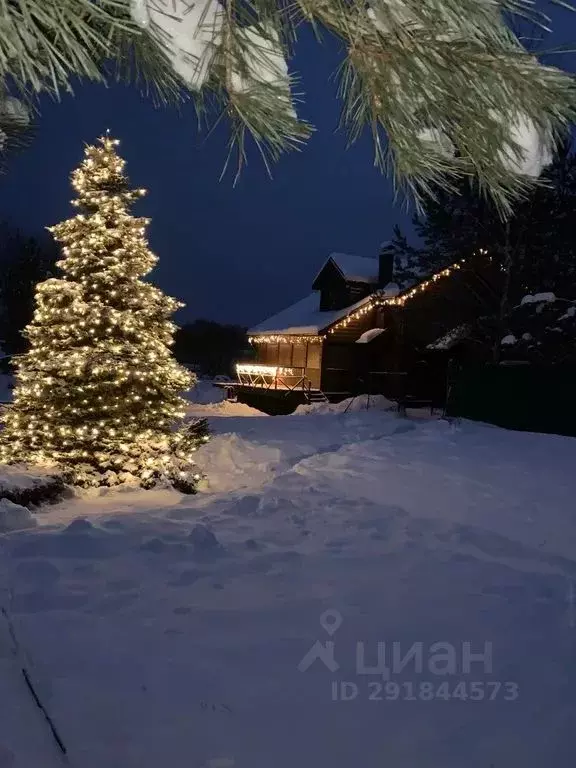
<point>396,301</point>
<point>285,339</point>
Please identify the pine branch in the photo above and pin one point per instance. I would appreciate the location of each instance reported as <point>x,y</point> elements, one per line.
<point>437,83</point>
<point>16,128</point>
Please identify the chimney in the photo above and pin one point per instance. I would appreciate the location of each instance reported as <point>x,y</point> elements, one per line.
<point>386,265</point>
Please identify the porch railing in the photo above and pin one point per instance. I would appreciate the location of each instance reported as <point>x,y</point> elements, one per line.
<point>275,377</point>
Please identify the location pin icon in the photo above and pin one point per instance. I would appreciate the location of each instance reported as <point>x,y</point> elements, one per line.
<point>331,621</point>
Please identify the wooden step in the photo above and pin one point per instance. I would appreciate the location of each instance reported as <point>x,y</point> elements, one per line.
<point>317,397</point>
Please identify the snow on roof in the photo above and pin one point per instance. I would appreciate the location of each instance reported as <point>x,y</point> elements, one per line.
<point>570,312</point>
<point>453,336</point>
<point>357,268</point>
<point>304,318</point>
<point>299,318</point>
<point>367,336</point>
<point>390,290</point>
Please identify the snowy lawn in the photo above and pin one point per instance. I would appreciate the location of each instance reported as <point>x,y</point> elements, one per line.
<point>152,643</point>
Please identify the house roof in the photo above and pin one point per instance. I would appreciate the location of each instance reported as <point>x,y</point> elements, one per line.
<point>304,318</point>
<point>357,269</point>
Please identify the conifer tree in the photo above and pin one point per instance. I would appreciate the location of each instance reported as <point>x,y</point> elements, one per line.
<point>99,391</point>
<point>532,254</point>
<point>538,238</point>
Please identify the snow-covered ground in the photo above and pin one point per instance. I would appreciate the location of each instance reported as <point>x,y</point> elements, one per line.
<point>153,643</point>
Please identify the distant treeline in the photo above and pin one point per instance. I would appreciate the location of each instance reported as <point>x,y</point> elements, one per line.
<point>26,260</point>
<point>213,348</point>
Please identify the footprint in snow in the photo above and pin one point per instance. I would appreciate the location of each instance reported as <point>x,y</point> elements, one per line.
<point>112,603</point>
<point>205,545</point>
<point>253,545</point>
<point>156,546</point>
<point>39,602</point>
<point>186,578</point>
<point>246,506</point>
<point>76,542</point>
<point>86,570</point>
<point>114,525</point>
<point>507,591</point>
<point>336,545</point>
<point>7,757</point>
<point>80,525</point>
<point>269,561</point>
<point>120,585</point>
<point>41,573</point>
<point>182,513</point>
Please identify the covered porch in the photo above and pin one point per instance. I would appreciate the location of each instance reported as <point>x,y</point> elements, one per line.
<point>272,377</point>
<point>284,361</point>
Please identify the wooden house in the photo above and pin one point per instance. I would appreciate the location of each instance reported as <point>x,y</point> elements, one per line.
<point>360,331</point>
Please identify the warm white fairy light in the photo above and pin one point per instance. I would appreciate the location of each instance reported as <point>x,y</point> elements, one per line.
<point>376,300</point>
<point>285,339</point>
<point>396,301</point>
<point>263,370</point>
<point>99,390</point>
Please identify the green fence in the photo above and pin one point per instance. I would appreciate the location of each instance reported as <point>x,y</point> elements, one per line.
<point>524,397</point>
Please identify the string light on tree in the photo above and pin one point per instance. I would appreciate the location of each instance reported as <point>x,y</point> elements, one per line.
<point>99,391</point>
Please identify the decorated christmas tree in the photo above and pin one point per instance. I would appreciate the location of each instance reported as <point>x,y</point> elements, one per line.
<point>98,393</point>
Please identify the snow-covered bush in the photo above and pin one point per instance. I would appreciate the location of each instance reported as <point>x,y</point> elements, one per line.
<point>541,329</point>
<point>14,517</point>
<point>30,487</point>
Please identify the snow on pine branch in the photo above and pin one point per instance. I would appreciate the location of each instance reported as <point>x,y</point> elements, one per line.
<point>527,152</point>
<point>140,13</point>
<point>263,64</point>
<point>190,33</point>
<point>547,296</point>
<point>534,152</point>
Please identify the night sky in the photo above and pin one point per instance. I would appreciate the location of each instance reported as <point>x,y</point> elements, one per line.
<point>233,254</point>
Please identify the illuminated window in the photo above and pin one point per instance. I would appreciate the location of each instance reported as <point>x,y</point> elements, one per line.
<point>313,356</point>
<point>299,356</point>
<point>285,354</point>
<point>269,353</point>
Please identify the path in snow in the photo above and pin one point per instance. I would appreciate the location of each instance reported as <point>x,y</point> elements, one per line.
<point>25,736</point>
<point>164,645</point>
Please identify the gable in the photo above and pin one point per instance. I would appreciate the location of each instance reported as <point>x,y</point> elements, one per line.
<point>349,268</point>
<point>356,269</point>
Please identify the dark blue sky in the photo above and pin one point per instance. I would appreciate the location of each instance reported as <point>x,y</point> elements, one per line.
<point>233,254</point>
